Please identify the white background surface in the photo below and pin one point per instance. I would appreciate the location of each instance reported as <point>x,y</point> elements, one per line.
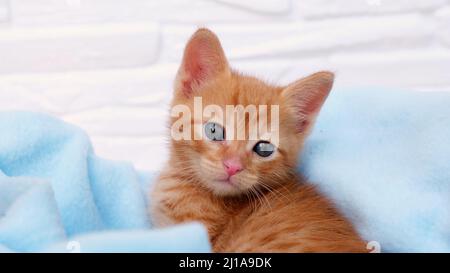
<point>108,65</point>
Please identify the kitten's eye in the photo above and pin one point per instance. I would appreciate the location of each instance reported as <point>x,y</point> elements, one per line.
<point>214,131</point>
<point>264,148</point>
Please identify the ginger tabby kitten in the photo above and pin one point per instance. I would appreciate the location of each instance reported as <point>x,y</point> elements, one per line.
<point>247,193</point>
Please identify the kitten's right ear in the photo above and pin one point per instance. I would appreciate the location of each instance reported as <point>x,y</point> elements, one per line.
<point>305,97</point>
<point>203,60</point>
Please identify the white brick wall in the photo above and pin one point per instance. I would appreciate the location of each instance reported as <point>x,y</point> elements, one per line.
<point>108,65</point>
<point>4,11</point>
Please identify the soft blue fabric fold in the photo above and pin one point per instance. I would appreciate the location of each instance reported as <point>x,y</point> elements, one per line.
<point>53,188</point>
<point>383,156</point>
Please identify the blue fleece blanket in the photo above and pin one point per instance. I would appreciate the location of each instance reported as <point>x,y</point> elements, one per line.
<point>57,195</point>
<point>382,156</point>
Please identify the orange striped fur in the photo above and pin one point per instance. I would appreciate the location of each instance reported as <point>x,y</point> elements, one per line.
<point>267,207</point>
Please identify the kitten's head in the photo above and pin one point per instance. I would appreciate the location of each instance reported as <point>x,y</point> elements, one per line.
<point>219,159</point>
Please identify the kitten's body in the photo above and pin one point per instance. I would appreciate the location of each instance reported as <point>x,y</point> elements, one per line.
<point>292,218</point>
<point>263,206</point>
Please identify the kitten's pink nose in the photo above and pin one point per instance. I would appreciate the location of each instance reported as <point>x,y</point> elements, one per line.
<point>232,166</point>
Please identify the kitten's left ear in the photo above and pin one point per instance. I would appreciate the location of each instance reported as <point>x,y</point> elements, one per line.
<point>305,97</point>
<point>203,60</point>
